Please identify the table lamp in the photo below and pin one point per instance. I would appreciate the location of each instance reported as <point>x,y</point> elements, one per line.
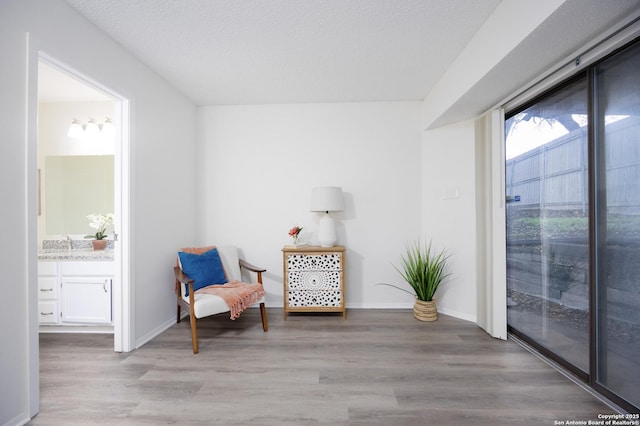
<point>327,199</point>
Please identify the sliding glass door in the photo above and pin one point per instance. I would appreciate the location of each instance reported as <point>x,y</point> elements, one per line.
<point>617,236</point>
<point>573,225</point>
<point>548,223</point>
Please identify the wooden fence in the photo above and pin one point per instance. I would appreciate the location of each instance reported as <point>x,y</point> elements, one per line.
<point>554,176</point>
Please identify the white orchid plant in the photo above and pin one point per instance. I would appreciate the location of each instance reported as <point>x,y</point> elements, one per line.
<point>99,222</point>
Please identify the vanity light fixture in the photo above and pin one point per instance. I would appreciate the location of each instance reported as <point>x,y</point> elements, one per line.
<point>92,129</point>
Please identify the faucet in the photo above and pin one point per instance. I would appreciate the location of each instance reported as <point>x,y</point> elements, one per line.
<point>69,242</point>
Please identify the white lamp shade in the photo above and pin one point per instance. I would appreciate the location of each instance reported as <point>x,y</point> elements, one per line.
<point>327,199</point>
<point>75,130</point>
<point>107,128</point>
<point>92,129</point>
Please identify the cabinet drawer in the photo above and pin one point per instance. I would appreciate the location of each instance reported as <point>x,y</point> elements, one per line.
<point>86,269</point>
<point>314,262</point>
<point>313,280</point>
<point>314,298</point>
<point>48,312</point>
<point>47,288</point>
<point>47,268</point>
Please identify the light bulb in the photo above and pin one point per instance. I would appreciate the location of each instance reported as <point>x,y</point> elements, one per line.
<point>92,129</point>
<point>107,128</point>
<point>75,129</point>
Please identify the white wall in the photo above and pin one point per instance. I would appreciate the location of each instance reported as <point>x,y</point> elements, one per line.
<point>14,359</point>
<point>162,150</point>
<point>449,211</point>
<point>259,163</point>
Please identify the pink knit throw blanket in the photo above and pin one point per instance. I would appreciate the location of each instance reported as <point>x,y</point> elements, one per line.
<point>238,296</point>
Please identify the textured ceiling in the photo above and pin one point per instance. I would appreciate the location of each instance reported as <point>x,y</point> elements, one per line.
<point>291,51</point>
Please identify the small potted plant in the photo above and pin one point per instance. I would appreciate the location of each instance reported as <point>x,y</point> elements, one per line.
<point>295,234</point>
<point>99,222</point>
<point>424,270</point>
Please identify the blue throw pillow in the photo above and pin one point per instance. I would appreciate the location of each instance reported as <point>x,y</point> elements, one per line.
<point>204,269</point>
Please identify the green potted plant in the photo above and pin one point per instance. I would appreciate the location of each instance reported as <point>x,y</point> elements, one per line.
<point>99,222</point>
<point>424,270</point>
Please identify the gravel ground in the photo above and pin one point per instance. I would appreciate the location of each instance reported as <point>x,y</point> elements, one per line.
<point>619,331</point>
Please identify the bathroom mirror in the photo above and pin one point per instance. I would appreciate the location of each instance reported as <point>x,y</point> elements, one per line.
<point>75,186</point>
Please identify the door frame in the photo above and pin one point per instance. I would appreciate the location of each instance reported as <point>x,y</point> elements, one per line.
<point>122,316</point>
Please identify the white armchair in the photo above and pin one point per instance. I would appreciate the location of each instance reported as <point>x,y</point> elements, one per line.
<point>203,305</point>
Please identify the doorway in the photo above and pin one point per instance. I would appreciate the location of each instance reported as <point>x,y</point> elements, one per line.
<point>68,185</point>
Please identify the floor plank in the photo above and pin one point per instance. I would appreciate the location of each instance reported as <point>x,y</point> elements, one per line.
<point>379,367</point>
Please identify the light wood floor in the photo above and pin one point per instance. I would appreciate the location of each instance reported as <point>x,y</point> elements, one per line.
<point>375,368</point>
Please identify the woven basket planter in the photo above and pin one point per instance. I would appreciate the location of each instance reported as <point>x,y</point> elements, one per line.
<point>425,311</point>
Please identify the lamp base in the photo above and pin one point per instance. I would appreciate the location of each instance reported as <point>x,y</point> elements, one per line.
<point>327,236</point>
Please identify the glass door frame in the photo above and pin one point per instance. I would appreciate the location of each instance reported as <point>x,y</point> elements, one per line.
<point>584,376</point>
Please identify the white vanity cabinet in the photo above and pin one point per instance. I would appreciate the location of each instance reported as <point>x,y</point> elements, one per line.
<point>81,295</point>
<point>85,292</point>
<point>48,293</point>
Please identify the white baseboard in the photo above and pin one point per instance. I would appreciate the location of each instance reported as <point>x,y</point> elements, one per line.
<point>393,305</point>
<point>155,332</point>
<point>18,420</point>
<point>94,329</point>
<point>459,315</point>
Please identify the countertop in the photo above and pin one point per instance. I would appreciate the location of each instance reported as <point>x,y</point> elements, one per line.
<point>75,254</point>
<point>74,249</point>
